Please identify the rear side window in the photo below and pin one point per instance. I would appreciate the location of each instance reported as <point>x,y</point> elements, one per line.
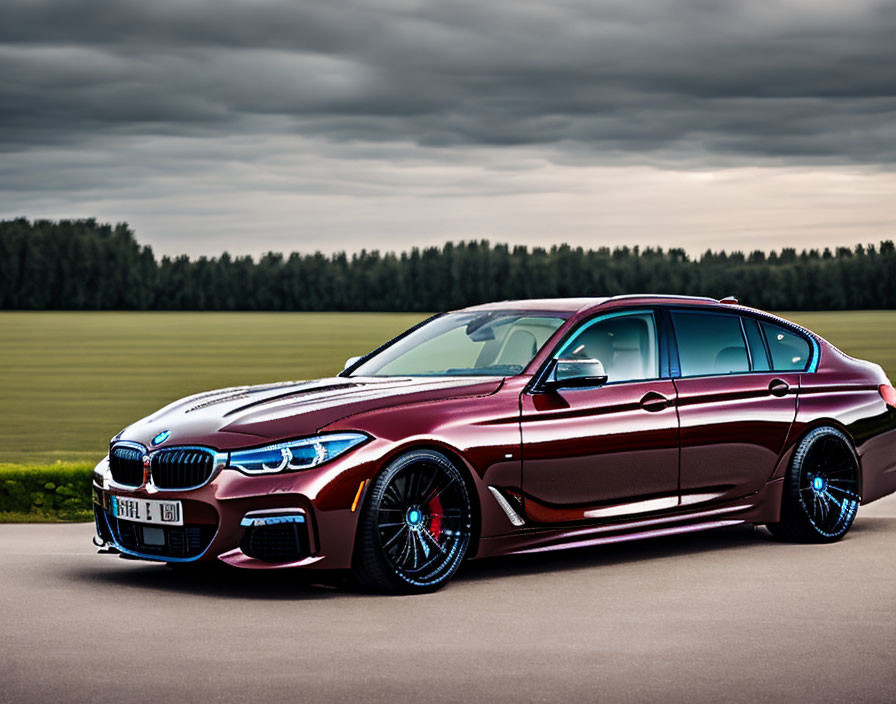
<point>789,351</point>
<point>757,346</point>
<point>710,344</point>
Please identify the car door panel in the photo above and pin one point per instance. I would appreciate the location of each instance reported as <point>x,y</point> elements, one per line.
<point>735,412</point>
<point>588,449</point>
<point>733,430</point>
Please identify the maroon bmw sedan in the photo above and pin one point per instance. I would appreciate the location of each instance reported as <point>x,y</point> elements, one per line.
<point>513,427</point>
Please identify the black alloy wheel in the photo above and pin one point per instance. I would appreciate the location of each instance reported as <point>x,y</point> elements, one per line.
<point>821,490</point>
<point>415,526</point>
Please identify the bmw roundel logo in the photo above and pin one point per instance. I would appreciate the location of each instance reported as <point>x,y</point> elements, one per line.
<point>161,437</point>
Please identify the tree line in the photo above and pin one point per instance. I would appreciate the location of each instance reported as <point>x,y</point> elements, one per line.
<point>86,265</point>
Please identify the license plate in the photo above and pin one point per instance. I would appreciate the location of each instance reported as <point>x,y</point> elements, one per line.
<point>147,510</point>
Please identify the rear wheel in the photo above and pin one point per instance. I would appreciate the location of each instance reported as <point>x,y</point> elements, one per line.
<point>415,526</point>
<point>821,490</point>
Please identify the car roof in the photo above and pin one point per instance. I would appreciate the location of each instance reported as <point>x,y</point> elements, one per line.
<point>559,305</point>
<point>575,305</point>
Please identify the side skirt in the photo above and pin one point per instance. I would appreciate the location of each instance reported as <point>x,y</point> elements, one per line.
<point>624,537</point>
<point>762,507</point>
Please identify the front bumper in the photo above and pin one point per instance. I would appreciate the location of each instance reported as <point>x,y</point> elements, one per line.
<point>178,543</point>
<point>301,519</point>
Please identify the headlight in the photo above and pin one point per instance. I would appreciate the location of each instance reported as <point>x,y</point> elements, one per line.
<point>294,454</point>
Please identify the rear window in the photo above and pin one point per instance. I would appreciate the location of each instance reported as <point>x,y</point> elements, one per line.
<point>710,344</point>
<point>789,351</point>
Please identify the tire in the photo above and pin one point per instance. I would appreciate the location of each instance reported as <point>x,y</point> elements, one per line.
<point>415,525</point>
<point>821,489</point>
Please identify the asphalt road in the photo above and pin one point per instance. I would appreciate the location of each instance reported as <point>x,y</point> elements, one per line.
<point>727,616</point>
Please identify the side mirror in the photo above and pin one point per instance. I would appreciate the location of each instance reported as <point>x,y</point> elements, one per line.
<point>576,373</point>
<point>349,362</point>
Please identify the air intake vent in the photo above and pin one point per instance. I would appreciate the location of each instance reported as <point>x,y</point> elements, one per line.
<point>278,543</point>
<point>182,468</point>
<point>126,465</point>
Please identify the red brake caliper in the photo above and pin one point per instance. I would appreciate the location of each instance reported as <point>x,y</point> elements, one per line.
<point>434,508</point>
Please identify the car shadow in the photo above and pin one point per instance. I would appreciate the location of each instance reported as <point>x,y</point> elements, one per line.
<point>744,537</point>
<point>618,554</point>
<point>230,583</point>
<point>219,581</point>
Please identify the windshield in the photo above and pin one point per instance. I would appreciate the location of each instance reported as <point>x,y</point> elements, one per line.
<point>493,343</point>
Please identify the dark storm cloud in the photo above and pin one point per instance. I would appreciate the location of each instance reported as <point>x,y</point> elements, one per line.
<point>695,80</point>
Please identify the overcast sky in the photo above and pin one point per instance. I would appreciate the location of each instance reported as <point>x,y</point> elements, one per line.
<point>302,125</point>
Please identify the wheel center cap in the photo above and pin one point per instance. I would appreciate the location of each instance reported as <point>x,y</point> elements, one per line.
<point>818,483</point>
<point>414,517</point>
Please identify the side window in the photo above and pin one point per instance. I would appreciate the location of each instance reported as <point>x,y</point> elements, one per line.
<point>757,346</point>
<point>710,344</point>
<point>789,351</point>
<point>625,344</point>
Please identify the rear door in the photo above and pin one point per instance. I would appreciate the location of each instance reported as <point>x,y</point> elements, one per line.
<point>735,408</point>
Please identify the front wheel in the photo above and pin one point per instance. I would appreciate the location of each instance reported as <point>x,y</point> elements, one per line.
<point>415,526</point>
<point>821,489</point>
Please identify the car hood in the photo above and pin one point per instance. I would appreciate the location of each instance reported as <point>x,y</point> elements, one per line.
<point>243,416</point>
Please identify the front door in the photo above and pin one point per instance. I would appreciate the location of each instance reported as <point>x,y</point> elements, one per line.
<point>607,452</point>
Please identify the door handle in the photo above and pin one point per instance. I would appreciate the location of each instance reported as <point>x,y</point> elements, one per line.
<point>654,401</point>
<point>778,387</point>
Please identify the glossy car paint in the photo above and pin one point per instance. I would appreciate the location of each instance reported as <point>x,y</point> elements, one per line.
<point>733,431</point>
<point>580,466</point>
<point>587,448</point>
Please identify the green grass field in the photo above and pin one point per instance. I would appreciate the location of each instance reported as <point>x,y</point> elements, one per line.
<point>69,381</point>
